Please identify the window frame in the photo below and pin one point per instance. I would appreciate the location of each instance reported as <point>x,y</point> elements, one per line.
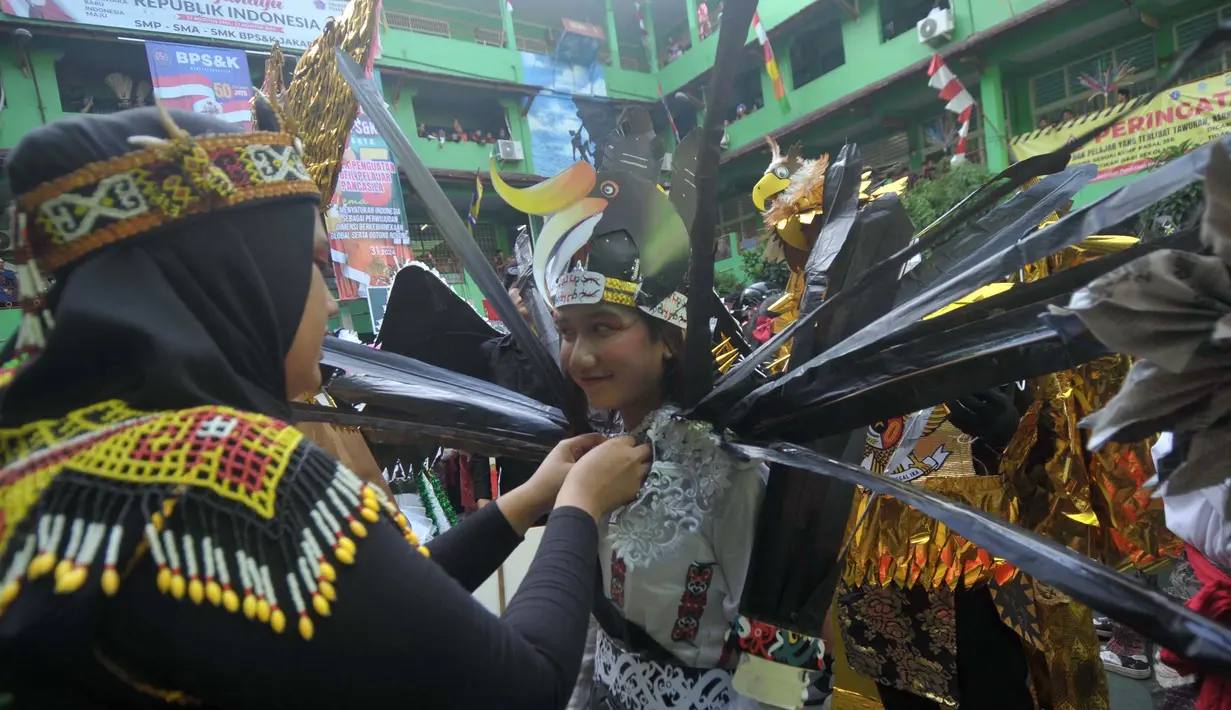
<point>1138,82</point>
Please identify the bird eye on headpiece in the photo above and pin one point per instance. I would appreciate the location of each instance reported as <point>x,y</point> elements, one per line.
<point>609,188</point>
<point>782,172</point>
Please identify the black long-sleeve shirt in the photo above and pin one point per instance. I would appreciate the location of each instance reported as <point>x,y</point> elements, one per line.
<point>404,632</point>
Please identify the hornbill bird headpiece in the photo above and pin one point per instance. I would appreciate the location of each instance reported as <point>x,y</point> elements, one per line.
<point>614,234</point>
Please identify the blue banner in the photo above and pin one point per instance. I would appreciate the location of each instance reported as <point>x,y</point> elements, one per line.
<point>206,80</point>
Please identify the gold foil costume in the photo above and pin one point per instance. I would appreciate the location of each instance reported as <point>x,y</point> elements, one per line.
<point>1094,502</point>
<point>1048,481</point>
<point>320,109</point>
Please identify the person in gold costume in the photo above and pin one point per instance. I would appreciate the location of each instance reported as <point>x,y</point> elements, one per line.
<point>936,621</point>
<point>790,195</point>
<point>1094,502</point>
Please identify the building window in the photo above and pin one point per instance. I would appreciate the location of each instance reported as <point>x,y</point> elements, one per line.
<point>104,77</point>
<point>452,116</point>
<point>1062,90</point>
<point>817,53</point>
<point>737,215</point>
<point>747,95</point>
<point>902,16</point>
<point>1189,32</point>
<point>431,248</point>
<point>886,155</point>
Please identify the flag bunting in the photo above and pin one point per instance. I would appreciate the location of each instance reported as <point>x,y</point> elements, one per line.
<point>959,101</point>
<point>771,65</point>
<point>472,217</point>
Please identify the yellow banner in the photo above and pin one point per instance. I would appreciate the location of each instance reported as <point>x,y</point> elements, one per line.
<point>1194,113</point>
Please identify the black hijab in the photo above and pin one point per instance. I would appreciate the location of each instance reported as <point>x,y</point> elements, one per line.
<point>201,311</point>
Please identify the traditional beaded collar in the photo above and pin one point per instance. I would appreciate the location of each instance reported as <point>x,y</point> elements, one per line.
<point>108,201</point>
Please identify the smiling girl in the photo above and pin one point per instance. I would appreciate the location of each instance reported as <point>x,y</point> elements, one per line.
<point>611,262</point>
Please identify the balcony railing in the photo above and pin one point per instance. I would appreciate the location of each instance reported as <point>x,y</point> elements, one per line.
<point>417,23</point>
<point>489,36</point>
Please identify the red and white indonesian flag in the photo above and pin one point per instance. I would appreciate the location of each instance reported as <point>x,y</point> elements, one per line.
<point>959,101</point>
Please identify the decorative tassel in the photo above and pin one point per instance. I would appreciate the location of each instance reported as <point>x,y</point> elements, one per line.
<point>79,571</point>
<point>196,589</point>
<point>164,574</point>
<point>36,322</point>
<point>213,590</point>
<point>50,528</point>
<point>76,532</point>
<point>178,585</point>
<point>263,609</point>
<point>277,619</point>
<point>306,630</point>
<point>230,600</point>
<point>111,577</point>
<point>12,578</point>
<point>245,579</point>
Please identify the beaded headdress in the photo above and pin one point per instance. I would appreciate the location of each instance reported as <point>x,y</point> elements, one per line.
<point>614,235</point>
<point>163,181</point>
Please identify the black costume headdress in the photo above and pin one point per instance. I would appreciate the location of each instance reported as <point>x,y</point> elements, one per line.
<point>148,197</point>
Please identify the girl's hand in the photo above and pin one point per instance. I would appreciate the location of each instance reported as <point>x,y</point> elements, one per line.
<point>606,477</point>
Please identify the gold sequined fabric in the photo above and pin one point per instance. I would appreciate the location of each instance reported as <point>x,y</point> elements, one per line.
<point>1068,674</point>
<point>1093,502</point>
<point>1049,482</point>
<point>892,542</point>
<point>898,544</point>
<point>318,99</point>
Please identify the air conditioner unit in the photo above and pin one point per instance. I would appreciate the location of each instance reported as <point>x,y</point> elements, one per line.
<point>509,151</point>
<point>667,163</point>
<point>937,27</point>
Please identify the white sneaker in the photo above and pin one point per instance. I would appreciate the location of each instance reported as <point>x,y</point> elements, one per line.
<point>1169,677</point>
<point>1136,666</point>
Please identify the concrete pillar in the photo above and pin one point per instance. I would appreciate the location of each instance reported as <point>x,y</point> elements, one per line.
<point>613,40</point>
<point>510,36</point>
<point>32,99</point>
<point>651,46</point>
<point>995,128</point>
<point>694,27</point>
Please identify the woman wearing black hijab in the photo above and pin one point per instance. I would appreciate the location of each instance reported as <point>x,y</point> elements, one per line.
<point>165,536</point>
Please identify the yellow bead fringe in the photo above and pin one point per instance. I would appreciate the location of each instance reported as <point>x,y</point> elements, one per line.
<point>179,574</point>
